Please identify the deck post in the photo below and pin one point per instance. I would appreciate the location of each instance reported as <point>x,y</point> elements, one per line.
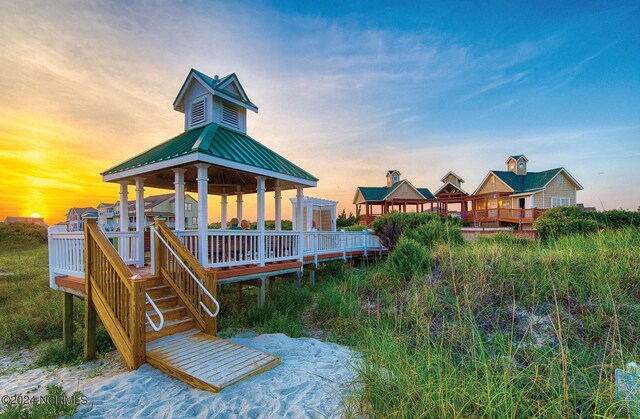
<point>223,211</point>
<point>315,247</point>
<point>261,292</point>
<point>210,283</point>
<point>365,237</point>
<point>203,213</point>
<point>260,201</point>
<point>300,221</point>
<point>140,222</point>
<point>123,243</point>
<point>179,199</point>
<point>278,198</point>
<point>344,244</point>
<point>67,320</point>
<point>90,318</point>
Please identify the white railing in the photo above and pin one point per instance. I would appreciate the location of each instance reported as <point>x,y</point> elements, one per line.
<point>66,255</point>
<point>225,247</point>
<point>66,251</point>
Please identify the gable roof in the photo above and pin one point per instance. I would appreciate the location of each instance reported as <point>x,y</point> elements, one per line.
<point>216,141</point>
<point>531,182</point>
<point>516,158</point>
<point>380,193</point>
<point>452,174</point>
<point>217,88</point>
<point>443,187</point>
<point>82,210</point>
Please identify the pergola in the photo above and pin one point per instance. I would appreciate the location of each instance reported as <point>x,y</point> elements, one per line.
<point>210,160</point>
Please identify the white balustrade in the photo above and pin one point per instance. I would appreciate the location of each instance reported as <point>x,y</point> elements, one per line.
<point>226,248</point>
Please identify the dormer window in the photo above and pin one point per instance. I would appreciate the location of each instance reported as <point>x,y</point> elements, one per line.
<point>198,112</point>
<point>395,179</point>
<point>230,115</point>
<point>521,165</point>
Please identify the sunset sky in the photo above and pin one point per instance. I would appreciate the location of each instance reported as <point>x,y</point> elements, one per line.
<point>346,91</point>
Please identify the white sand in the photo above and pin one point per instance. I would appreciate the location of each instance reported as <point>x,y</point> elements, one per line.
<point>313,380</point>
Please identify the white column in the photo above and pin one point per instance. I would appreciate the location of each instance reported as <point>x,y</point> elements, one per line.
<point>203,212</point>
<point>239,205</point>
<point>300,220</point>
<point>124,206</point>
<point>294,213</point>
<point>261,190</point>
<point>123,245</point>
<point>333,218</point>
<point>223,211</point>
<point>278,198</point>
<point>140,222</point>
<point>179,199</point>
<point>309,217</point>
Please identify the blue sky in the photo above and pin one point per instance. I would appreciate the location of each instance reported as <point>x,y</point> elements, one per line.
<point>346,90</point>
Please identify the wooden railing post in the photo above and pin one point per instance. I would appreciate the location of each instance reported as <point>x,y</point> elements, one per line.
<point>365,237</point>
<point>137,322</point>
<point>90,321</point>
<point>344,244</point>
<point>211,324</point>
<point>156,255</point>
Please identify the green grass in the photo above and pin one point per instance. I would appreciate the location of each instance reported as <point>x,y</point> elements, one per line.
<point>497,328</point>
<point>30,311</point>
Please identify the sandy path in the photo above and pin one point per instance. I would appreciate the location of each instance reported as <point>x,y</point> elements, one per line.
<point>312,381</point>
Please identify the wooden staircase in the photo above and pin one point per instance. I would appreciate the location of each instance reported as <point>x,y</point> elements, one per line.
<point>167,320</point>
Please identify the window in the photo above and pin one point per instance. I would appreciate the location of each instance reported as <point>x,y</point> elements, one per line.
<point>560,201</point>
<point>404,188</point>
<point>187,206</point>
<point>560,180</point>
<point>395,179</point>
<point>521,165</point>
<point>194,221</point>
<point>198,112</point>
<point>230,115</point>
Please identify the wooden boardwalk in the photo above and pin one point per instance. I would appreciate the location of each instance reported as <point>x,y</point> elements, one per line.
<point>206,361</point>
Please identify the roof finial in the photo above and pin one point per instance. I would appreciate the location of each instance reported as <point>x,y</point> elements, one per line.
<point>216,78</point>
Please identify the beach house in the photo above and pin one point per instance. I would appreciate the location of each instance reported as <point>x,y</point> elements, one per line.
<point>397,195</point>
<point>517,196</point>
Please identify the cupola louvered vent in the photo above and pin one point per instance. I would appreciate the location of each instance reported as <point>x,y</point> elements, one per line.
<point>230,115</point>
<point>198,112</point>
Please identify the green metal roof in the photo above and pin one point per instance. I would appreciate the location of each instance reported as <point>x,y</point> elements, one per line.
<point>526,183</point>
<point>380,193</point>
<point>216,141</point>
<point>213,84</point>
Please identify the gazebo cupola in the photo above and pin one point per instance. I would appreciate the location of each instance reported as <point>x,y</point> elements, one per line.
<point>204,99</point>
<point>517,164</point>
<point>393,176</point>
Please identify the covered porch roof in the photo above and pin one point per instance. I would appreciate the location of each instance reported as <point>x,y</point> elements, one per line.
<point>235,160</point>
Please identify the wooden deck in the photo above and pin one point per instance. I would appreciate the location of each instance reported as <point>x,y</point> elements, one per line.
<point>206,361</point>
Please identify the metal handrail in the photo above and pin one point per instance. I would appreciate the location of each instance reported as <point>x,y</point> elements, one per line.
<point>203,289</point>
<point>155,307</point>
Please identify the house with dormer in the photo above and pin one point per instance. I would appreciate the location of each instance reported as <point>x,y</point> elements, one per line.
<point>397,195</point>
<point>518,196</point>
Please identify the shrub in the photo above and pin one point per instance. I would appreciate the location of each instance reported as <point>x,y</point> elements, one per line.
<point>390,227</point>
<point>434,232</point>
<point>408,260</point>
<point>20,234</point>
<point>356,227</point>
<point>565,220</point>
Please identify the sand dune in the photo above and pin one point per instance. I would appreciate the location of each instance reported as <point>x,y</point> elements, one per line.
<point>313,380</point>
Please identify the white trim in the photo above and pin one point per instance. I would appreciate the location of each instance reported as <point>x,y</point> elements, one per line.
<point>205,158</point>
<point>192,75</point>
<point>559,198</point>
<point>234,79</point>
<point>451,173</point>
<point>485,179</point>
<point>575,182</point>
<point>522,157</point>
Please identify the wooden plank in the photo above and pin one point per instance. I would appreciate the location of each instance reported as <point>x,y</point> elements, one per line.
<point>191,361</point>
<point>245,368</point>
<point>67,320</point>
<point>237,364</point>
<point>182,349</point>
<point>222,356</point>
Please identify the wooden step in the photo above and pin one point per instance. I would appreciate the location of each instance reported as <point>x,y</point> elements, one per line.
<point>159,291</point>
<point>169,313</point>
<point>153,281</point>
<point>163,302</point>
<point>170,327</point>
<point>206,361</point>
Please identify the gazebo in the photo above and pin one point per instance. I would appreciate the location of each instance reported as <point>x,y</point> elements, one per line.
<point>322,212</point>
<point>213,156</point>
